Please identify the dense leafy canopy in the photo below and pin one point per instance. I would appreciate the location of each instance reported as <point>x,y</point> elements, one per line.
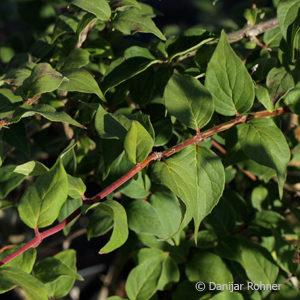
<point>98,92</point>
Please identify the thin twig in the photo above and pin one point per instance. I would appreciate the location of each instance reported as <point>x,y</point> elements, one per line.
<point>248,31</point>
<point>200,136</point>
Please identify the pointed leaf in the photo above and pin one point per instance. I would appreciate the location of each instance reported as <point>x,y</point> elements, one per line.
<point>99,8</point>
<point>287,13</point>
<point>263,142</point>
<point>76,59</point>
<point>134,20</point>
<point>80,80</point>
<point>24,261</point>
<point>208,267</point>
<point>189,101</point>
<point>120,229</point>
<point>125,70</point>
<point>197,176</point>
<point>138,143</point>
<point>43,79</point>
<point>228,80</point>
<point>111,126</point>
<point>61,286</point>
<point>143,279</point>
<point>33,288</point>
<point>40,205</point>
<point>263,96</point>
<point>50,269</point>
<point>45,111</point>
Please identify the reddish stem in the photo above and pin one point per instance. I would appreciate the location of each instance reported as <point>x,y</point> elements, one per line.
<point>152,157</point>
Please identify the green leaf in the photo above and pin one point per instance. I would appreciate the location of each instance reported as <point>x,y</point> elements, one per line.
<point>142,281</point>
<point>292,99</point>
<point>8,102</point>
<point>43,79</point>
<point>24,261</point>
<point>76,59</point>
<point>263,96</point>
<point>191,40</point>
<point>287,13</point>
<point>208,267</point>
<point>80,80</point>
<point>137,188</point>
<point>99,8</point>
<point>50,269</point>
<point>31,168</point>
<point>279,81</point>
<point>228,80</point>
<point>222,219</point>
<point>134,20</point>
<point>143,218</point>
<point>76,187</point>
<point>189,101</point>
<point>163,131</point>
<point>86,21</point>
<point>262,141</point>
<point>138,143</point>
<point>33,288</point>
<point>62,285</point>
<point>168,210</point>
<point>100,222</point>
<point>170,273</point>
<point>9,180</point>
<point>256,260</point>
<point>196,175</point>
<point>40,205</point>
<point>111,126</point>
<point>258,263</point>
<point>125,70</point>
<point>45,111</point>
<point>120,229</point>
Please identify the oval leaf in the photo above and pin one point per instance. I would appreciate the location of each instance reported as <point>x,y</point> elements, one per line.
<point>80,80</point>
<point>42,201</point>
<point>196,175</point>
<point>262,141</point>
<point>287,13</point>
<point>125,70</point>
<point>120,229</point>
<point>189,101</point>
<point>99,8</point>
<point>33,288</point>
<point>43,79</point>
<point>138,143</point>
<point>228,81</point>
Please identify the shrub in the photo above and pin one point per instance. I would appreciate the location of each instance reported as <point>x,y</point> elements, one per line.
<point>192,141</point>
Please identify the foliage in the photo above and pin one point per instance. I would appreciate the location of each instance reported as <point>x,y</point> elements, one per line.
<point>193,139</point>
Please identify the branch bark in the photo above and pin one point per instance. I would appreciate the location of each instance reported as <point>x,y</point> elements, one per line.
<point>248,31</point>
<point>196,139</point>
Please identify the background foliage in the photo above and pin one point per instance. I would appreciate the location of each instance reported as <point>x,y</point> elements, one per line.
<point>90,89</point>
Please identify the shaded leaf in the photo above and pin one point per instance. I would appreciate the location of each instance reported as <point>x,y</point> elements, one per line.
<point>189,101</point>
<point>33,288</point>
<point>124,70</point>
<point>263,142</point>
<point>287,13</point>
<point>138,143</point>
<point>208,267</point>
